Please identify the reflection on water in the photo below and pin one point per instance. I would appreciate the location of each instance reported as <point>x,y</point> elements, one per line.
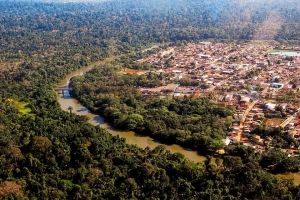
<point>131,137</point>
<point>65,97</point>
<point>82,110</point>
<point>98,120</point>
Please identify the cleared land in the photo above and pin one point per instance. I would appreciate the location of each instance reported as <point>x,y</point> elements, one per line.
<point>274,122</point>
<point>133,71</point>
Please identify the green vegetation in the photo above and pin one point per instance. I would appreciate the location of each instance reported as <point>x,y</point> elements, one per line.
<point>23,107</point>
<point>59,155</point>
<point>280,138</point>
<point>194,123</point>
<point>280,50</point>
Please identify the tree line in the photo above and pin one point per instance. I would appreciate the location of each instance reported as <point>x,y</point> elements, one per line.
<point>195,123</point>
<point>49,153</point>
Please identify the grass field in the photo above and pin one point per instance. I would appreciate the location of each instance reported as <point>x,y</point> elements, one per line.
<point>280,50</point>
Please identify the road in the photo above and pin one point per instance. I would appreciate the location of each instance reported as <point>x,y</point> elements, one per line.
<point>243,120</point>
<point>288,120</point>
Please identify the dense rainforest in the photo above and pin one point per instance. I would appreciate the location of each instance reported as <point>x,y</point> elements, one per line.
<point>48,153</point>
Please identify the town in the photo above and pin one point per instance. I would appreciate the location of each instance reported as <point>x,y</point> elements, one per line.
<point>259,80</point>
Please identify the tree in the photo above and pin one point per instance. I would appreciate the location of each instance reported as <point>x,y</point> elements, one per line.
<point>14,155</point>
<point>216,145</point>
<point>134,121</point>
<point>258,87</point>
<point>273,157</point>
<point>40,144</point>
<point>233,163</point>
<point>9,188</point>
<point>70,108</point>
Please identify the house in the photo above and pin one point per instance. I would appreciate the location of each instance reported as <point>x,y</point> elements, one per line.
<point>270,106</point>
<point>244,100</point>
<point>205,44</point>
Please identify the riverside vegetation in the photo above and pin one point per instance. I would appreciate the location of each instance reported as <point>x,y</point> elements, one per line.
<point>194,123</point>
<point>48,153</point>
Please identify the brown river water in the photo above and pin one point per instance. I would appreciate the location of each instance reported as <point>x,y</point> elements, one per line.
<point>131,137</point>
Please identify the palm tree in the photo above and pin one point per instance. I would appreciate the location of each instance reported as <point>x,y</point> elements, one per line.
<point>70,108</point>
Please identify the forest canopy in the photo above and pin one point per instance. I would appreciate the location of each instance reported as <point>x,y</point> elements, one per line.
<point>194,123</point>
<point>48,153</point>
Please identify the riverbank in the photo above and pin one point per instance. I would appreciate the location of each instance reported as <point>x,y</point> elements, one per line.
<point>131,137</point>
<point>290,176</point>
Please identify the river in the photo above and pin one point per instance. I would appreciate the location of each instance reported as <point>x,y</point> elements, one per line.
<point>131,137</point>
